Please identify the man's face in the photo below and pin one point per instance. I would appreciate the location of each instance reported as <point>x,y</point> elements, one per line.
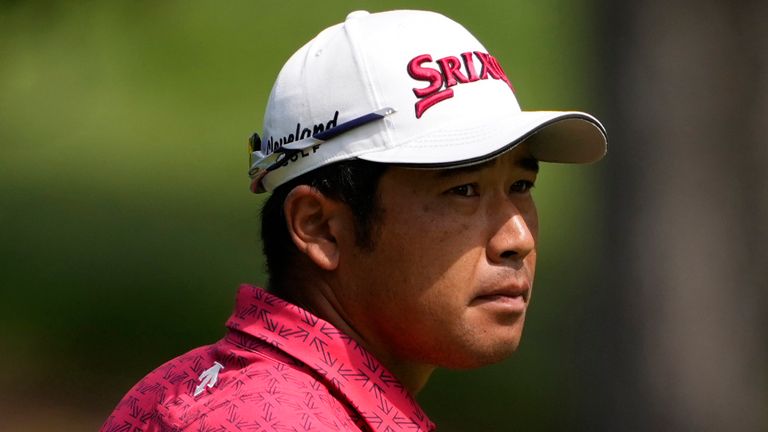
<point>449,279</point>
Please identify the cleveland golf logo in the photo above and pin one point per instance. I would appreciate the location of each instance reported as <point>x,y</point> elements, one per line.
<point>449,72</point>
<point>272,145</point>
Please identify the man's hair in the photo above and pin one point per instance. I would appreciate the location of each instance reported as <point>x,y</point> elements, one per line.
<point>352,182</point>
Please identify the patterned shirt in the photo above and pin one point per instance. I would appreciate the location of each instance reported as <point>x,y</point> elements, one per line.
<point>278,368</point>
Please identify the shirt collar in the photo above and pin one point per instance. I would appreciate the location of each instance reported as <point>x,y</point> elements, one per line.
<point>366,384</point>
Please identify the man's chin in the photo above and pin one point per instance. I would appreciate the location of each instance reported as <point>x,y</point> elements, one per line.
<point>488,355</point>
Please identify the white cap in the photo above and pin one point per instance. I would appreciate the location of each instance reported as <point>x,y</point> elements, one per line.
<point>409,88</point>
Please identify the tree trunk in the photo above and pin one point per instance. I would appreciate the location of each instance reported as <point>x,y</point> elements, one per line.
<point>679,333</point>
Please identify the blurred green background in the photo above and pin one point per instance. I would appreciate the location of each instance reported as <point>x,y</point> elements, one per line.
<point>126,223</point>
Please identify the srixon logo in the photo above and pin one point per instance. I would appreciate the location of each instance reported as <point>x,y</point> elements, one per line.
<point>450,71</point>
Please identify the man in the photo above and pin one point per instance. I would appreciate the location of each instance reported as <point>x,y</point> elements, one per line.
<point>400,235</point>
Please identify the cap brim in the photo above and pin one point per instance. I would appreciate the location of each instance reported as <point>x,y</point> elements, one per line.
<point>553,136</point>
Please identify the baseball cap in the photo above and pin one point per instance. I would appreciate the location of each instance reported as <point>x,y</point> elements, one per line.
<point>404,87</point>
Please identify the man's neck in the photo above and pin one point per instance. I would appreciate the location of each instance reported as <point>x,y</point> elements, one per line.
<point>320,300</point>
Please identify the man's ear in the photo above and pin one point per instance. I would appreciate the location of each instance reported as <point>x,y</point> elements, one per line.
<point>312,220</point>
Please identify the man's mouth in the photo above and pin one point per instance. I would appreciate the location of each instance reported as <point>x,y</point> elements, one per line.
<point>513,298</point>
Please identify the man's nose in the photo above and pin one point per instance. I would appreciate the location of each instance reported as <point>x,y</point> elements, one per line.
<point>514,236</point>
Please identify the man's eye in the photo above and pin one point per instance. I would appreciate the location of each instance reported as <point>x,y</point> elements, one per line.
<point>466,190</point>
<point>521,186</point>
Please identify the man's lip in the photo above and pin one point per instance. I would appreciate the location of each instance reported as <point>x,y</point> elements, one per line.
<point>504,302</point>
<point>511,292</point>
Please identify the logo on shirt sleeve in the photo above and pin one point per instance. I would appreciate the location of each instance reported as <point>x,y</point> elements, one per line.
<point>208,378</point>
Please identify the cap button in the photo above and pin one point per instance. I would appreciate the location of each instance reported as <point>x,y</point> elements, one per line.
<point>357,14</point>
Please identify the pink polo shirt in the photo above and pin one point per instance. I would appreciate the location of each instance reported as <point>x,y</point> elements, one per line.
<point>279,368</point>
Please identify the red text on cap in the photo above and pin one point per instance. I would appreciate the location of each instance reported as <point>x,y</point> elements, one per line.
<point>448,74</point>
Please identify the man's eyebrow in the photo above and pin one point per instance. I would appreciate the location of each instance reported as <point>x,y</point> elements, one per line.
<point>528,164</point>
